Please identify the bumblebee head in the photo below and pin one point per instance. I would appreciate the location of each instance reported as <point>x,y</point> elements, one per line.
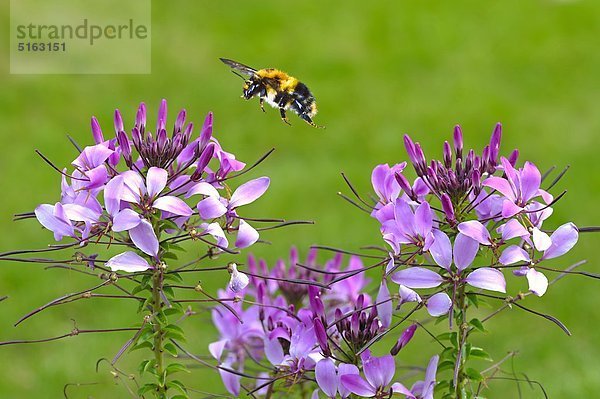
<point>251,88</point>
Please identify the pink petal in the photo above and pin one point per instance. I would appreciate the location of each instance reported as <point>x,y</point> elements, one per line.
<point>399,388</point>
<point>230,380</point>
<point>144,237</point>
<point>345,369</point>
<point>326,376</point>
<point>92,156</point>
<point>125,220</point>
<point>129,262</point>
<point>133,186</point>
<point>441,249</point>
<point>408,295</point>
<point>531,179</point>
<point>423,219</point>
<point>216,348</point>
<point>512,229</point>
<point>487,278</point>
<point>417,277</point>
<point>156,181</point>
<point>465,250</point>
<point>404,216</point>
<point>385,306</point>
<point>439,304</point>
<point>60,227</point>
<point>81,213</point>
<point>476,230</point>
<point>172,204</point>
<point>210,208</point>
<point>112,194</point>
<point>97,177</point>
<point>514,254</point>
<point>238,280</point>
<point>203,188</point>
<point>249,192</point>
<point>215,230</point>
<point>501,185</point>
<point>379,370</point>
<point>357,385</point>
<point>538,283</point>
<point>273,351</point>
<point>541,240</point>
<point>247,235</point>
<point>563,239</point>
<point>510,209</point>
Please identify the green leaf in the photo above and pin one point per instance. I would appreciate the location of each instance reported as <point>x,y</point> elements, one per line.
<point>168,224</point>
<point>477,324</point>
<point>474,375</point>
<point>448,354</point>
<point>175,368</point>
<point>175,310</point>
<point>178,385</point>
<point>170,255</point>
<point>142,345</point>
<point>444,336</point>
<point>142,367</point>
<point>176,247</point>
<point>445,365</point>
<point>173,277</point>
<point>147,388</point>
<point>454,339</point>
<point>473,299</point>
<point>169,347</point>
<point>480,354</point>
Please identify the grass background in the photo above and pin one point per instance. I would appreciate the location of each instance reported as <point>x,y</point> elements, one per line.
<point>378,70</point>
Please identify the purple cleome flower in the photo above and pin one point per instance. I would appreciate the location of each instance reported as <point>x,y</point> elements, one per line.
<point>456,205</point>
<point>161,172</point>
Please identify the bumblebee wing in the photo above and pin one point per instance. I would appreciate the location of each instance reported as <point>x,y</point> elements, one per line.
<point>245,69</point>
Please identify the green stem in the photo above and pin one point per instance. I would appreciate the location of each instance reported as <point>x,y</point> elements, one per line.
<point>157,284</point>
<point>463,331</point>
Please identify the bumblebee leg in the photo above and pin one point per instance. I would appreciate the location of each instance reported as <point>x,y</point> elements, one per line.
<point>308,120</point>
<point>284,116</point>
<point>262,104</point>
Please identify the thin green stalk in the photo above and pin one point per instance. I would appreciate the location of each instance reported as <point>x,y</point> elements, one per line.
<point>157,283</point>
<point>460,377</point>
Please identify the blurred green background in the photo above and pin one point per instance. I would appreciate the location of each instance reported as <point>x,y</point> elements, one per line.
<point>378,70</point>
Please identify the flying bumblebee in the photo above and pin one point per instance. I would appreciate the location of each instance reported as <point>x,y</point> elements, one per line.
<point>278,89</point>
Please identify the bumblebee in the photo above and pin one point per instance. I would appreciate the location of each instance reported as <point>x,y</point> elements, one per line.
<point>278,89</point>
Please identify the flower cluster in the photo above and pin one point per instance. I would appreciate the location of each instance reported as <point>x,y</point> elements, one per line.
<point>459,208</point>
<point>312,331</point>
<point>137,189</point>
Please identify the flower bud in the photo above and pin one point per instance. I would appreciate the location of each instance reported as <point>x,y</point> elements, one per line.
<point>405,185</point>
<point>96,131</point>
<point>321,335</point>
<point>512,158</point>
<point>238,280</point>
<point>206,132</point>
<point>458,141</point>
<point>404,339</point>
<point>448,208</point>
<point>179,122</point>
<point>495,144</point>
<point>118,121</point>
<point>140,117</point>
<point>447,155</point>
<point>162,116</point>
